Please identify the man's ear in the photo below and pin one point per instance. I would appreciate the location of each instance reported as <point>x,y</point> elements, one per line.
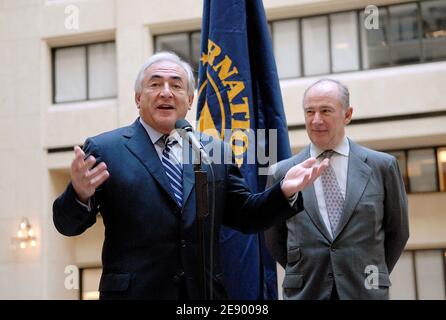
<point>137,99</point>
<point>191,99</point>
<point>348,115</point>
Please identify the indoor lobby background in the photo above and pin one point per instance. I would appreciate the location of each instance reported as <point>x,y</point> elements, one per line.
<point>67,70</point>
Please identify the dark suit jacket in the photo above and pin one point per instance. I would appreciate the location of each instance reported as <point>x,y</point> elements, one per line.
<point>372,232</point>
<point>150,241</point>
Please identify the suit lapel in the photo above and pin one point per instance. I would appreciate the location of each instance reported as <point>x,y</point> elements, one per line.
<point>310,201</point>
<point>358,175</point>
<point>141,147</point>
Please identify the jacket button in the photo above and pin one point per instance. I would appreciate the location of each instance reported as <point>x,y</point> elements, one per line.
<point>177,277</point>
<point>333,249</point>
<point>330,275</point>
<point>183,243</point>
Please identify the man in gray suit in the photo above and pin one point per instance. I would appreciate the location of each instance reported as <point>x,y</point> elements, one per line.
<point>355,224</point>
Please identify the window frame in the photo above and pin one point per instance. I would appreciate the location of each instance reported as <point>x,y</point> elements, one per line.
<point>300,61</point>
<point>358,11</point>
<point>406,177</point>
<point>414,266</point>
<point>358,38</point>
<point>53,72</point>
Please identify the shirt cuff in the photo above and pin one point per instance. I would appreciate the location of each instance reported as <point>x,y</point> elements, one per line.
<point>293,198</point>
<point>85,205</point>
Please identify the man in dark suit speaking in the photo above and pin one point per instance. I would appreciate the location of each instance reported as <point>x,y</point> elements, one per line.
<point>136,178</point>
<point>355,224</point>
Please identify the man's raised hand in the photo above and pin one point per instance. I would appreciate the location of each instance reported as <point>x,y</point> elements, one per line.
<point>84,177</point>
<point>301,175</point>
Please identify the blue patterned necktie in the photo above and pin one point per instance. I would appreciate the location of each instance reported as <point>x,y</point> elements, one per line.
<point>334,200</point>
<point>173,169</point>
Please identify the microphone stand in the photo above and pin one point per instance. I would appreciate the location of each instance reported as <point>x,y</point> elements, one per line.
<point>202,206</point>
<point>201,186</point>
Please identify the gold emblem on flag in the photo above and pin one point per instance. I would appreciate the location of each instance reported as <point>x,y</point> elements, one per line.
<point>234,104</point>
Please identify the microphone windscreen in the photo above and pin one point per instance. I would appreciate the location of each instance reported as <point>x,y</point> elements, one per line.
<point>183,124</point>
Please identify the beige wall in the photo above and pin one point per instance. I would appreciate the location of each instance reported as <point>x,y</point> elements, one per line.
<point>29,123</point>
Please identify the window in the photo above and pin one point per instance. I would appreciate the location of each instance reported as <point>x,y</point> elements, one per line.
<point>344,42</point>
<point>286,48</point>
<point>70,74</point>
<point>419,275</point>
<point>84,72</point>
<point>315,46</point>
<point>186,45</point>
<point>404,34</point>
<point>421,170</point>
<point>430,274</point>
<point>375,42</point>
<point>339,42</point>
<point>403,279</point>
<point>102,71</point>
<point>178,43</point>
<point>433,15</point>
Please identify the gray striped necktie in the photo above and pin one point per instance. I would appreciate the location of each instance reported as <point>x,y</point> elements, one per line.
<point>334,200</point>
<point>173,169</point>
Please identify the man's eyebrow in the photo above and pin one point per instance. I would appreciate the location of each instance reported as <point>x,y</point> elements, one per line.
<point>157,76</point>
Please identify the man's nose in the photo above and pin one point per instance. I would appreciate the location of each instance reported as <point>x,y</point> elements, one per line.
<point>317,118</point>
<point>166,92</point>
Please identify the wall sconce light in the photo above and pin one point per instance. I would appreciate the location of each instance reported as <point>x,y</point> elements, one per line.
<point>25,235</point>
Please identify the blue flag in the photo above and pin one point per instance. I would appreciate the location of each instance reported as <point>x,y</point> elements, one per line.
<point>238,89</point>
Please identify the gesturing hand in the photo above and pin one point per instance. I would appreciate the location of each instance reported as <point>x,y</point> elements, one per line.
<point>302,174</point>
<point>85,180</point>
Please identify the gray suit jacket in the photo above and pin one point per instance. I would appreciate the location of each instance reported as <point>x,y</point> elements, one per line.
<point>371,235</point>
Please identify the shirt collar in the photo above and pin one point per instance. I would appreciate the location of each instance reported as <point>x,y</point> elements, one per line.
<point>343,148</point>
<point>155,135</point>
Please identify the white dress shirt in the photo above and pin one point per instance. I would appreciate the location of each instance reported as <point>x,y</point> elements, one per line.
<point>339,163</point>
<point>155,136</point>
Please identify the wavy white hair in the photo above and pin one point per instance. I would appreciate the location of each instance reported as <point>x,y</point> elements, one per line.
<point>166,56</point>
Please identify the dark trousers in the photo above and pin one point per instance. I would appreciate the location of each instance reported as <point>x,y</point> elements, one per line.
<point>334,292</point>
<point>183,295</point>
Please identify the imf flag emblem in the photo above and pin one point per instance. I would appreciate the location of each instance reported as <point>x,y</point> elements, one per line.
<point>226,109</point>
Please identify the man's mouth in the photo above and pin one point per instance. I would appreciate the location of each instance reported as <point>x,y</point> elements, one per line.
<point>165,107</point>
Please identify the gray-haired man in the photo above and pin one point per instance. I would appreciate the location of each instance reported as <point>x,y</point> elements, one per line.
<point>355,224</point>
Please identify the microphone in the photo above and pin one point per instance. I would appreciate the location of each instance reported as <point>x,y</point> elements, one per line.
<point>186,131</point>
